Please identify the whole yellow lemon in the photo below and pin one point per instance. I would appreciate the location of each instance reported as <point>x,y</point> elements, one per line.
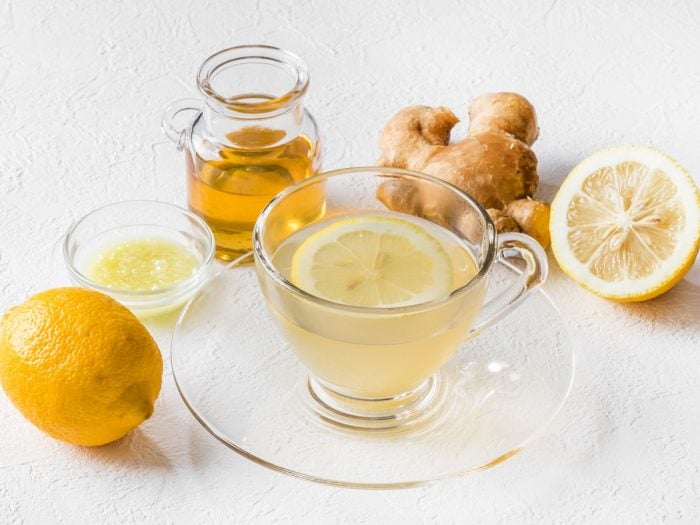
<point>79,365</point>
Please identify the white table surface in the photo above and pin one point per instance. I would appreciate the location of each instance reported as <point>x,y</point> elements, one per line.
<point>82,86</point>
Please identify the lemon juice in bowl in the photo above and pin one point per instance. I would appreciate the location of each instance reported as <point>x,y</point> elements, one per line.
<point>141,264</point>
<point>374,300</point>
<point>151,256</point>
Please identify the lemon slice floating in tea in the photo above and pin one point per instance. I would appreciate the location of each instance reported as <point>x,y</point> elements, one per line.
<point>373,260</point>
<point>626,223</point>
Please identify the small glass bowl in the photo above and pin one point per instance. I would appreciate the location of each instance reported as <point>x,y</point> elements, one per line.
<point>104,226</point>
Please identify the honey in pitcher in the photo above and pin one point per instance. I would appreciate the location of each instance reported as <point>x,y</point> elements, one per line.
<point>230,191</point>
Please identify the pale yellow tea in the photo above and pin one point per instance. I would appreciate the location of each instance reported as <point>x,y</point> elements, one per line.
<point>405,269</point>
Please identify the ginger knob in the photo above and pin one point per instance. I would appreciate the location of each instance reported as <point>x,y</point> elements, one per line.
<point>532,217</point>
<point>494,163</point>
<point>508,112</point>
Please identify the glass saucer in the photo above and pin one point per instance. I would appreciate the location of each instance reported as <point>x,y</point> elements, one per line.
<point>241,382</point>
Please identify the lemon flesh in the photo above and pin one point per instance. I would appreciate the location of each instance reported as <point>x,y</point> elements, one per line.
<point>142,264</point>
<point>626,223</point>
<point>373,261</point>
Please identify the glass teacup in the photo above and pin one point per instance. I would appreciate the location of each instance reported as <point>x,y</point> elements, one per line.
<point>371,367</point>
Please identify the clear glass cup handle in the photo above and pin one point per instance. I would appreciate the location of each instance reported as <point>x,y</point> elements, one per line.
<point>173,114</point>
<point>532,272</point>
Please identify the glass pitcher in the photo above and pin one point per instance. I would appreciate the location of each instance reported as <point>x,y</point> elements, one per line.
<point>248,138</point>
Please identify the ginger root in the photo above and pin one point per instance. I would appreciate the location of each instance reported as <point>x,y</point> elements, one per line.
<point>503,221</point>
<point>494,163</point>
<point>507,112</point>
<point>532,217</point>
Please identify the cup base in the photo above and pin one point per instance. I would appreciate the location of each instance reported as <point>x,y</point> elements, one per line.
<point>408,411</point>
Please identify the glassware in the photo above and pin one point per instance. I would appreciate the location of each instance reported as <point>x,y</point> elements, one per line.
<point>115,224</point>
<point>246,141</point>
<point>375,367</point>
<point>240,380</point>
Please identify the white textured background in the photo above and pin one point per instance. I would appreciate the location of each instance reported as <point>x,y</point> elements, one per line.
<point>82,86</point>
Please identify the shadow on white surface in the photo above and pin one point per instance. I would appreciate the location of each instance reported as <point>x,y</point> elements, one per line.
<point>679,306</point>
<point>203,450</point>
<point>135,450</point>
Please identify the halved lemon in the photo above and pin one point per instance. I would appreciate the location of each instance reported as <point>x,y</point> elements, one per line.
<point>625,223</point>
<point>373,260</point>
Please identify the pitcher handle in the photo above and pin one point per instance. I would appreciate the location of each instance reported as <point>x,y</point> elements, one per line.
<point>175,132</point>
<point>512,247</point>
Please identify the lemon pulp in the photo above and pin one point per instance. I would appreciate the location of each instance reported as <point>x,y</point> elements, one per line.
<point>373,260</point>
<point>625,223</point>
<point>142,264</point>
